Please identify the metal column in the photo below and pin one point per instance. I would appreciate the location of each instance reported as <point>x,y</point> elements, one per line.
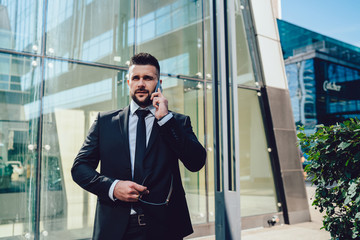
<point>227,183</point>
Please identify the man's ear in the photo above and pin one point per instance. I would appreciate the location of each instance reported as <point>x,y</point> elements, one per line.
<point>128,82</point>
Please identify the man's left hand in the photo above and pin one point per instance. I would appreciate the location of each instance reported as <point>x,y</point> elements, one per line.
<point>160,103</point>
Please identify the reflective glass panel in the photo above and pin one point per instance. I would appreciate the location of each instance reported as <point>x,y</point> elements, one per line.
<point>21,25</point>
<point>302,90</point>
<point>19,116</point>
<point>187,97</point>
<point>93,30</point>
<point>172,32</point>
<point>73,96</point>
<point>210,152</point>
<point>245,75</point>
<point>207,43</point>
<point>257,189</point>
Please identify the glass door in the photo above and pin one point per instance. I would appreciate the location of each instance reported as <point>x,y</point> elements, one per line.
<point>19,118</point>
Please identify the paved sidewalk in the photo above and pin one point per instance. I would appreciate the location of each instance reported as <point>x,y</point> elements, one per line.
<point>308,230</point>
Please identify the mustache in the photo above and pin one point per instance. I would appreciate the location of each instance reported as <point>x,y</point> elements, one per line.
<point>142,90</point>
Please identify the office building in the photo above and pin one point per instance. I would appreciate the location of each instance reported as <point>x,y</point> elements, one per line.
<point>323,76</point>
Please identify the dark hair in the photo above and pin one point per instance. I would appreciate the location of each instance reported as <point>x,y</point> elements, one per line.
<point>145,59</point>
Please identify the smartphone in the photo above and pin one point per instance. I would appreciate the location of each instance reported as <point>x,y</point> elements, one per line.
<point>158,85</point>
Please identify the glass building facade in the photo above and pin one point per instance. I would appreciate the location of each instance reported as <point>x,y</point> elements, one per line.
<point>62,62</point>
<point>323,76</point>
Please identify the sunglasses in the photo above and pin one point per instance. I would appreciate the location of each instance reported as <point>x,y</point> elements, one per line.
<point>161,203</point>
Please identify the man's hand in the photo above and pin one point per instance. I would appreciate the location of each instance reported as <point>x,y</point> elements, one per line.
<point>129,191</point>
<point>160,103</point>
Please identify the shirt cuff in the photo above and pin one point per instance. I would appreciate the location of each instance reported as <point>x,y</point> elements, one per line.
<point>111,190</point>
<point>165,119</point>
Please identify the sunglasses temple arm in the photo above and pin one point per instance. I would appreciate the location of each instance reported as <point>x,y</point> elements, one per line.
<point>170,191</point>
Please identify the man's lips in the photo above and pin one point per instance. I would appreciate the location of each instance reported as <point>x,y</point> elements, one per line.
<point>141,92</point>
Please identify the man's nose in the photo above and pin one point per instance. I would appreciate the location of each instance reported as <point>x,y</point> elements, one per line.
<point>141,82</point>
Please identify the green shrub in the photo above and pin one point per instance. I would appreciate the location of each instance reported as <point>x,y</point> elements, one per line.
<point>334,152</point>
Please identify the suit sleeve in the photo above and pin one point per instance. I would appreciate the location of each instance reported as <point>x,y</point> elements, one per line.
<point>182,140</point>
<point>84,168</point>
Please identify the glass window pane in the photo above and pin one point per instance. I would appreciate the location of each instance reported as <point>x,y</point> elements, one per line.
<point>210,152</point>
<point>19,116</point>
<point>69,109</point>
<point>172,32</point>
<point>257,189</point>
<point>187,97</point>
<point>95,31</point>
<point>208,47</point>
<point>245,75</point>
<point>21,25</point>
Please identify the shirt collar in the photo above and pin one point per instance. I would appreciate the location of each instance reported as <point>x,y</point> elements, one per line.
<point>134,106</point>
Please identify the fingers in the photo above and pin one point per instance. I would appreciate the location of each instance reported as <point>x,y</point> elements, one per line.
<point>139,188</point>
<point>160,103</point>
<point>155,94</point>
<point>129,191</point>
<point>133,198</point>
<point>158,93</point>
<point>156,102</point>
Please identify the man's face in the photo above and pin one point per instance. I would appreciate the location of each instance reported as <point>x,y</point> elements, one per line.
<point>142,82</point>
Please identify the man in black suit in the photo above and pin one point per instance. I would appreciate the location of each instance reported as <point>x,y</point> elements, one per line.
<point>139,189</point>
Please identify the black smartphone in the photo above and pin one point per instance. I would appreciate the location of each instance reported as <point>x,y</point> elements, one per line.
<point>158,85</point>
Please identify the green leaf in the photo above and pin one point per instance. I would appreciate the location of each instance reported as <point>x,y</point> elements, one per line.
<point>357,157</point>
<point>301,135</point>
<point>344,145</point>
<point>353,187</point>
<point>347,162</point>
<point>355,234</point>
<point>357,200</point>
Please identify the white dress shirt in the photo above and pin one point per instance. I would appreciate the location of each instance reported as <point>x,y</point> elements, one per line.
<point>133,119</point>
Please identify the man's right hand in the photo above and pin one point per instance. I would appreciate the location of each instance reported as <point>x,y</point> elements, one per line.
<point>129,191</point>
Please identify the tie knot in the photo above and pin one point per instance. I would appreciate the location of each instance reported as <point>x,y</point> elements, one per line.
<point>142,113</point>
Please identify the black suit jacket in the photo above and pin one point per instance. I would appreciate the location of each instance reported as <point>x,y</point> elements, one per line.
<point>108,142</point>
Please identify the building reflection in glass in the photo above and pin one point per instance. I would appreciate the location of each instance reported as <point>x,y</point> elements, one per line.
<point>18,137</point>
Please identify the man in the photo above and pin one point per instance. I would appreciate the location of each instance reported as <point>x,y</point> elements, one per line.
<point>139,189</point>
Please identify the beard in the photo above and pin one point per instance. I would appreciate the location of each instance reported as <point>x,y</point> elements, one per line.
<point>142,103</point>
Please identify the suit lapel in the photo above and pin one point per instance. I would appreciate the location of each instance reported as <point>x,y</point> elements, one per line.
<point>124,128</point>
<point>154,133</point>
